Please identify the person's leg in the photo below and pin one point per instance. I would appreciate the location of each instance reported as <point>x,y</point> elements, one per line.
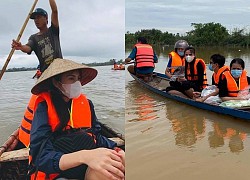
<point>177,93</point>
<point>131,69</point>
<point>190,93</point>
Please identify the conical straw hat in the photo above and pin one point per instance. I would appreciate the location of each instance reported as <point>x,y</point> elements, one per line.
<point>59,66</point>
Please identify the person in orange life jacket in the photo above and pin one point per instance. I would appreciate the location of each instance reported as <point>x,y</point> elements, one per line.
<point>45,43</point>
<point>217,65</point>
<point>176,57</point>
<point>195,76</point>
<point>61,107</point>
<point>234,80</point>
<point>47,38</point>
<point>116,66</point>
<point>145,58</point>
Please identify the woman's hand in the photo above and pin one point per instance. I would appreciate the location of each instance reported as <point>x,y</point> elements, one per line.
<point>106,161</point>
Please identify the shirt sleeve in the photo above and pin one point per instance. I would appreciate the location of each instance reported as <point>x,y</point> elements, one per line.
<point>169,62</point>
<point>155,58</point>
<point>132,54</point>
<point>54,30</point>
<point>31,43</point>
<point>101,141</point>
<point>200,71</point>
<point>48,160</point>
<point>223,91</point>
<point>248,80</point>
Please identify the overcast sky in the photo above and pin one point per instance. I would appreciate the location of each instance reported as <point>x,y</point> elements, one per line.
<point>177,16</point>
<point>90,31</point>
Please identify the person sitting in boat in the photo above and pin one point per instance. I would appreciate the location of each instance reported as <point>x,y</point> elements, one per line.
<point>121,66</point>
<point>38,72</point>
<point>145,59</point>
<point>217,65</point>
<point>194,78</point>
<point>233,81</point>
<point>65,139</point>
<point>176,57</point>
<point>116,66</point>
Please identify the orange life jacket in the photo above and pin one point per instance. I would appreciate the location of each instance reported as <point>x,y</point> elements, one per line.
<point>176,60</point>
<point>144,55</point>
<point>232,86</point>
<point>80,117</point>
<point>195,77</point>
<point>38,73</point>
<point>24,130</point>
<point>216,76</point>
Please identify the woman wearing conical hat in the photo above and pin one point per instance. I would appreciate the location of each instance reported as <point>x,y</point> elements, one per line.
<point>65,141</point>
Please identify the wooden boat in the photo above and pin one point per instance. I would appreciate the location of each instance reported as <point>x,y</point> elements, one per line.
<point>14,163</point>
<point>118,67</point>
<point>159,82</point>
<point>123,68</point>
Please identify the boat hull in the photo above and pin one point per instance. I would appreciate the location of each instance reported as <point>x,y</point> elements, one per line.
<point>13,164</point>
<point>159,83</point>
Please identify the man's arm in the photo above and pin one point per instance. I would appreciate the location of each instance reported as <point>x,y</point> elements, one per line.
<point>131,56</point>
<point>54,14</point>
<point>19,46</point>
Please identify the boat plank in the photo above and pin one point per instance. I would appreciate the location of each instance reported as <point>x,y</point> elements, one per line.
<point>15,155</point>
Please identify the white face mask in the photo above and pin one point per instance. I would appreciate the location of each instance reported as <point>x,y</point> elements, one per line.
<point>72,90</point>
<point>189,58</point>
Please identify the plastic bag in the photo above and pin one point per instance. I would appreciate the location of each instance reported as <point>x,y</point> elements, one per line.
<point>208,90</point>
<point>179,72</point>
<point>244,93</point>
<point>215,100</point>
<point>235,103</point>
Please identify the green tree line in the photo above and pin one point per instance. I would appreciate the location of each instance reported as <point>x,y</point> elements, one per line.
<point>203,34</point>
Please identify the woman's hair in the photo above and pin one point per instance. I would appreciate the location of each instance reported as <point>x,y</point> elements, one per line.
<point>238,61</point>
<point>191,49</point>
<point>60,105</point>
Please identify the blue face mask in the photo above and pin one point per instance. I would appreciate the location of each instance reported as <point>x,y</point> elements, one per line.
<point>181,53</point>
<point>210,67</point>
<point>236,73</point>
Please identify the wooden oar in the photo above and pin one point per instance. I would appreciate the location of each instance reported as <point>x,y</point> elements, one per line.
<point>18,39</point>
<point>34,76</point>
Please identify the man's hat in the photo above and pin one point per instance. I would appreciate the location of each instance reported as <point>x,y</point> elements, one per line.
<point>59,66</point>
<point>38,11</point>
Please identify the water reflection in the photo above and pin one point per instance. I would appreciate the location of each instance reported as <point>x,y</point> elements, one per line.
<point>220,134</point>
<point>143,105</point>
<point>191,125</point>
<point>187,127</point>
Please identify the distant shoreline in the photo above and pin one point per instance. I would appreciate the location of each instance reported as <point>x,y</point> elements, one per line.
<point>108,63</point>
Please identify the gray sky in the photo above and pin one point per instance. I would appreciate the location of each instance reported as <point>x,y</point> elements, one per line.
<point>177,16</point>
<point>90,31</point>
